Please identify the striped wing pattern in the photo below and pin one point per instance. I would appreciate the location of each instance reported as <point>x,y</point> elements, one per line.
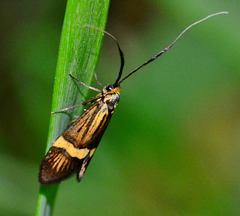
<point>74,149</point>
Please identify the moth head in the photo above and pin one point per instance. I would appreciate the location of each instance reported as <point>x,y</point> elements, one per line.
<point>111,96</point>
<point>108,88</point>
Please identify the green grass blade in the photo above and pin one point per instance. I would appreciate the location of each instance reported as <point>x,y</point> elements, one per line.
<point>78,54</point>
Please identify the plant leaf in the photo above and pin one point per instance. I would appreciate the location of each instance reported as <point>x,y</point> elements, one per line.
<point>78,55</point>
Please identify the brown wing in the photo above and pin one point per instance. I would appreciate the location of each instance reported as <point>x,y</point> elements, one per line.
<point>84,132</point>
<point>82,169</point>
<point>56,166</point>
<point>73,150</point>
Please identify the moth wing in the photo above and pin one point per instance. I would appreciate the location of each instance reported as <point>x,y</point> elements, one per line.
<point>56,166</point>
<point>84,165</point>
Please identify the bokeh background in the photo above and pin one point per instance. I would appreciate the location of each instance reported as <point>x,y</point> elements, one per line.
<point>173,145</point>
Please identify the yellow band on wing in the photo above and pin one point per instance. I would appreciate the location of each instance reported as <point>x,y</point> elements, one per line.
<point>70,149</point>
<point>92,152</point>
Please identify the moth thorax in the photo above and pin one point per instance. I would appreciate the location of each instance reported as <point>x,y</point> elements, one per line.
<point>112,101</point>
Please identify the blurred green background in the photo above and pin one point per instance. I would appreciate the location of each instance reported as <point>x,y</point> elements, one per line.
<point>172,147</point>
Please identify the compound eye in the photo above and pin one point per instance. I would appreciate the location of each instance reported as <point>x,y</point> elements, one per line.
<point>109,88</point>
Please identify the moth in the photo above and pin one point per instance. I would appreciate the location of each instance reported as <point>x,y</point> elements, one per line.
<point>73,150</point>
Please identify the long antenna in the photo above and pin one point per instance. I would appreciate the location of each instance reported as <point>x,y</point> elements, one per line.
<point>169,47</point>
<point>119,49</point>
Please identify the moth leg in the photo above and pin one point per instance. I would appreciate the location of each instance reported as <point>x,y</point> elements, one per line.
<point>96,78</point>
<point>82,104</point>
<point>66,109</point>
<point>85,102</point>
<point>79,90</point>
<point>82,83</point>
